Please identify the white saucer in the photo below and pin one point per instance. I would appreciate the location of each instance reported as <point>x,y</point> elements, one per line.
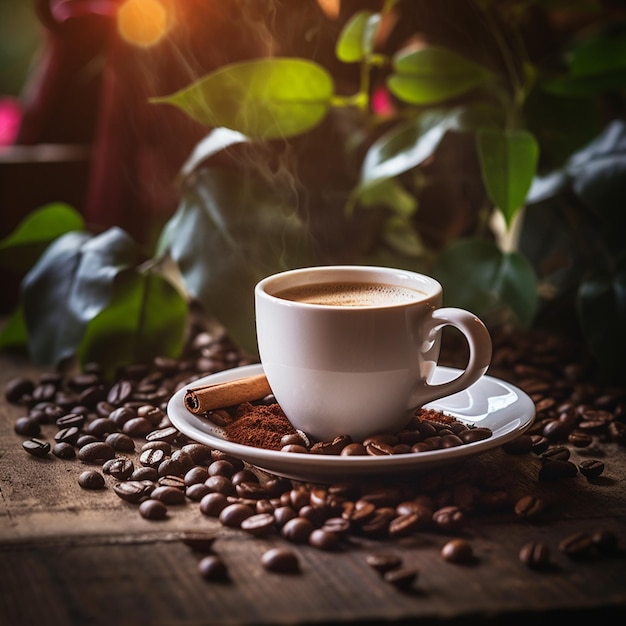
<point>490,402</point>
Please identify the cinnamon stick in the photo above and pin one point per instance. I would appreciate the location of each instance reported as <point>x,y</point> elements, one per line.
<point>220,395</point>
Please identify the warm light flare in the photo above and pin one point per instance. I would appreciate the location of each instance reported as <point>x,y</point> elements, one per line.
<point>330,8</point>
<point>143,22</point>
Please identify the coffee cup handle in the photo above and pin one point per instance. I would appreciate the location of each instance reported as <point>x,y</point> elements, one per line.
<point>480,351</point>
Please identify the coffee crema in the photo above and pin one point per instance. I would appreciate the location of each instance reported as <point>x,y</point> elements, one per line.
<point>351,294</point>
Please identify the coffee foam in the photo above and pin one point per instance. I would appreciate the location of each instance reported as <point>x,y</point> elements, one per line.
<point>351,294</point>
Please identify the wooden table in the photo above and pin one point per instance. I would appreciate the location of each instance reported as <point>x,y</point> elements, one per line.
<point>73,556</point>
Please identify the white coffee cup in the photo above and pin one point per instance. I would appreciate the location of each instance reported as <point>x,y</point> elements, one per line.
<point>358,364</point>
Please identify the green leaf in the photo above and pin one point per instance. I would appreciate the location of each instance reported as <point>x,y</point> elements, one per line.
<point>400,235</point>
<point>69,285</point>
<point>406,146</point>
<point>496,286</point>
<point>14,333</point>
<point>146,317</point>
<point>228,233</point>
<point>264,98</point>
<point>508,161</point>
<point>601,309</point>
<point>432,74</point>
<point>35,232</point>
<point>601,55</point>
<point>356,41</point>
<point>389,193</point>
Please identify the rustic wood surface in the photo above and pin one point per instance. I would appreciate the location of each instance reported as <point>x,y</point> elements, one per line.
<point>72,556</point>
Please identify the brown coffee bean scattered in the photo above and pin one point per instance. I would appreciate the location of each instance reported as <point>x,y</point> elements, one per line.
<point>401,577</point>
<point>529,507</point>
<point>458,551</point>
<point>280,560</point>
<point>383,561</point>
<point>153,509</point>
<point>90,479</point>
<point>578,545</point>
<point>535,554</point>
<point>591,468</point>
<point>212,567</point>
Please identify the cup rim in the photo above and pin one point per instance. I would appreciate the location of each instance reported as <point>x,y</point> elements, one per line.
<point>268,286</point>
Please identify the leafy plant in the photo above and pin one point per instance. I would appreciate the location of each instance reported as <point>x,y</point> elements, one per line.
<point>295,172</point>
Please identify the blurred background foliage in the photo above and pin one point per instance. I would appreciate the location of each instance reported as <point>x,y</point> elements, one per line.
<point>183,205</point>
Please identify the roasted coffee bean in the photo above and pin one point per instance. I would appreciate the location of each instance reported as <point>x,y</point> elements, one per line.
<point>157,445</point>
<point>172,481</point>
<point>121,415</point>
<point>168,495</point>
<point>133,491</point>
<point>337,525</point>
<point>96,452</point>
<point>197,491</point>
<point>297,530</point>
<point>101,427</point>
<point>591,468</point>
<point>401,577</point>
<point>120,442</point>
<point>529,507</point>
<point>64,450</point>
<point>36,447</point>
<point>331,447</point>
<point>27,426</point>
<point>221,468</point>
<point>253,490</point>
<point>90,479</point>
<point>283,514</point>
<point>212,567</point>
<point>556,453</point>
<point>577,545</point>
<point>580,439</point>
<point>555,470</point>
<point>83,440</point>
<point>324,539</point>
<point>458,551</point>
<point>17,388</point>
<point>233,514</point>
<point>119,393</point>
<point>68,435</point>
<point>199,452</point>
<point>145,473</point>
<point>383,561</point>
<point>556,430</point>
<point>137,427</point>
<point>471,435</point>
<point>156,416</point>
<point>153,509</point>
<point>220,483</point>
<point>71,419</point>
<point>280,560</point>
<point>196,475</point>
<point>535,554</point>
<point>152,457</point>
<point>539,444</point>
<point>404,525</point>
<point>294,449</point>
<point>259,524</point>
<point>212,504</point>
<point>448,518</point>
<point>168,434</point>
<point>120,468</point>
<point>354,449</point>
<point>244,476</point>
<point>293,439</point>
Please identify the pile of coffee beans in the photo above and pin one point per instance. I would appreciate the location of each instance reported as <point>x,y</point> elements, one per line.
<point>121,431</point>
